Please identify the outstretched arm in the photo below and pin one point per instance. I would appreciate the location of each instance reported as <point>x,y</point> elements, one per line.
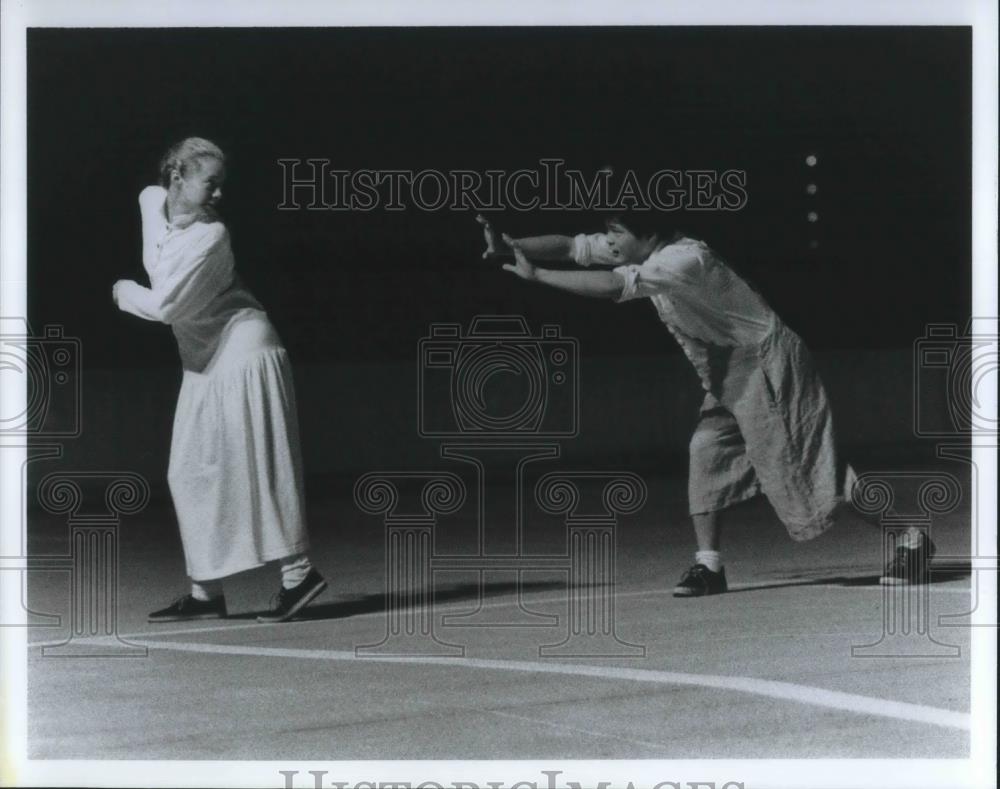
<point>550,247</point>
<point>583,249</point>
<point>597,284</point>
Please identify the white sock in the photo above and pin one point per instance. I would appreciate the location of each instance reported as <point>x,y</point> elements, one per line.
<point>711,559</point>
<point>206,590</point>
<point>294,570</point>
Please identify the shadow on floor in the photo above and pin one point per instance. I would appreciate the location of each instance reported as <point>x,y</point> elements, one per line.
<point>939,575</point>
<point>375,603</point>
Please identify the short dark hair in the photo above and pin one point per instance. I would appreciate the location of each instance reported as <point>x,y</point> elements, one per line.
<point>643,223</point>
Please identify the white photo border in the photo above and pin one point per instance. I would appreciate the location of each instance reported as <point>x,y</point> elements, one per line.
<point>980,15</point>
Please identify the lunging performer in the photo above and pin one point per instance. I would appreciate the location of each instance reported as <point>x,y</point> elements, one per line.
<point>765,424</point>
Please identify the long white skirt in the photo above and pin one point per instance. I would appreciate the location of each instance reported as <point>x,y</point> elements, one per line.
<point>235,462</point>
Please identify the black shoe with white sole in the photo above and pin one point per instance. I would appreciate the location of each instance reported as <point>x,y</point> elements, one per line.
<point>910,565</point>
<point>187,607</point>
<point>288,602</point>
<point>700,581</point>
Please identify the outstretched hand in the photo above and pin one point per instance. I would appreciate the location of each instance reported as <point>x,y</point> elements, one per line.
<point>490,235</point>
<point>521,266</point>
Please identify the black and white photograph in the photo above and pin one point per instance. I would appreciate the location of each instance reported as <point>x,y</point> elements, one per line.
<point>515,395</point>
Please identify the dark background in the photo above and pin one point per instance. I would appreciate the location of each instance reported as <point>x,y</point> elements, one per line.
<point>887,111</point>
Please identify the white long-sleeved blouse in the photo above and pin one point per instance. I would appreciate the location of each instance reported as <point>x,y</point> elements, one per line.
<point>193,282</point>
<point>701,301</point>
<point>699,294</point>
<point>593,250</point>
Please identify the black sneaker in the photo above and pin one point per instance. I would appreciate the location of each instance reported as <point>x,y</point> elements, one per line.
<point>909,565</point>
<point>700,581</point>
<point>187,607</point>
<point>288,602</point>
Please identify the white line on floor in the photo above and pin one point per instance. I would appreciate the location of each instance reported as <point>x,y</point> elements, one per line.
<point>787,691</point>
<point>506,602</point>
